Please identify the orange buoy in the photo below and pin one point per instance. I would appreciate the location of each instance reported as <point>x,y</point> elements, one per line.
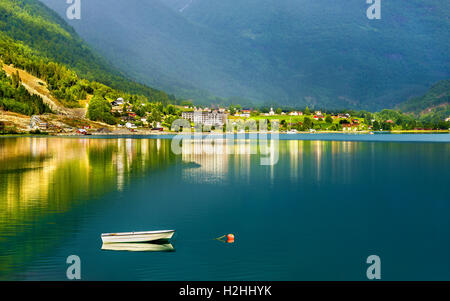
<point>230,238</point>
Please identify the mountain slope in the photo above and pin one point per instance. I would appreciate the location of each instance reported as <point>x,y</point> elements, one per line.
<point>48,36</point>
<point>36,86</point>
<point>434,104</point>
<point>315,52</point>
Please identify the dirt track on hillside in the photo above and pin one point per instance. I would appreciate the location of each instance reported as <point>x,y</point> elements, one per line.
<point>63,118</point>
<point>38,87</point>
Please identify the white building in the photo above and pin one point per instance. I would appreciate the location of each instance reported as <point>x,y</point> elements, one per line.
<point>293,113</point>
<point>271,113</point>
<point>129,125</point>
<point>213,118</point>
<point>118,102</point>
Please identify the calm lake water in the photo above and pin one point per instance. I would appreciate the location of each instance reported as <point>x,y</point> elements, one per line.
<point>315,215</point>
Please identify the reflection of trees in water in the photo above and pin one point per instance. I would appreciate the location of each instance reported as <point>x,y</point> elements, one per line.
<point>43,179</point>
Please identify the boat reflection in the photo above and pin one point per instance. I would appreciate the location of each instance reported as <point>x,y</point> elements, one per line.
<point>139,247</point>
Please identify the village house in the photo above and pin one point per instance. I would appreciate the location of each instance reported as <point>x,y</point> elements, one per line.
<point>118,102</point>
<point>245,113</point>
<point>295,113</point>
<point>349,127</point>
<point>117,106</point>
<point>127,118</point>
<point>130,125</point>
<point>116,109</point>
<point>346,115</point>
<point>82,131</point>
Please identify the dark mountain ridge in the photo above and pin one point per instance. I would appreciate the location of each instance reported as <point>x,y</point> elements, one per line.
<point>320,53</point>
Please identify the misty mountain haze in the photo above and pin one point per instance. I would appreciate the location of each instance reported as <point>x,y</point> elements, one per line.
<point>319,53</point>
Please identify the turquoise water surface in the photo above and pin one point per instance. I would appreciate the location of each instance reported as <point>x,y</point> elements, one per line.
<point>317,214</point>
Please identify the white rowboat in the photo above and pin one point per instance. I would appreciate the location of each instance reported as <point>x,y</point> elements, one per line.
<point>144,236</point>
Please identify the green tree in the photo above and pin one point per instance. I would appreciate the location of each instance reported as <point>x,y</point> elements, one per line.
<point>100,110</point>
<point>155,116</point>
<point>15,79</point>
<point>376,125</point>
<point>171,110</point>
<point>232,110</point>
<point>307,111</point>
<point>307,123</point>
<point>386,126</point>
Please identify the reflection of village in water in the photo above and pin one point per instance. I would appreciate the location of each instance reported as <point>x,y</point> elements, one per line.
<point>34,170</point>
<point>304,159</point>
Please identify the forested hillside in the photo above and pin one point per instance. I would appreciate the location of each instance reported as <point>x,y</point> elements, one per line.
<point>63,83</point>
<point>433,106</point>
<point>36,39</point>
<point>14,97</point>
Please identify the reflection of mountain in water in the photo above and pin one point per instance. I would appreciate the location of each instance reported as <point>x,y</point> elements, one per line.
<point>43,179</point>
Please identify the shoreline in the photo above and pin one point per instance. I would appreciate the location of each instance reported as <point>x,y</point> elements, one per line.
<point>164,133</point>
